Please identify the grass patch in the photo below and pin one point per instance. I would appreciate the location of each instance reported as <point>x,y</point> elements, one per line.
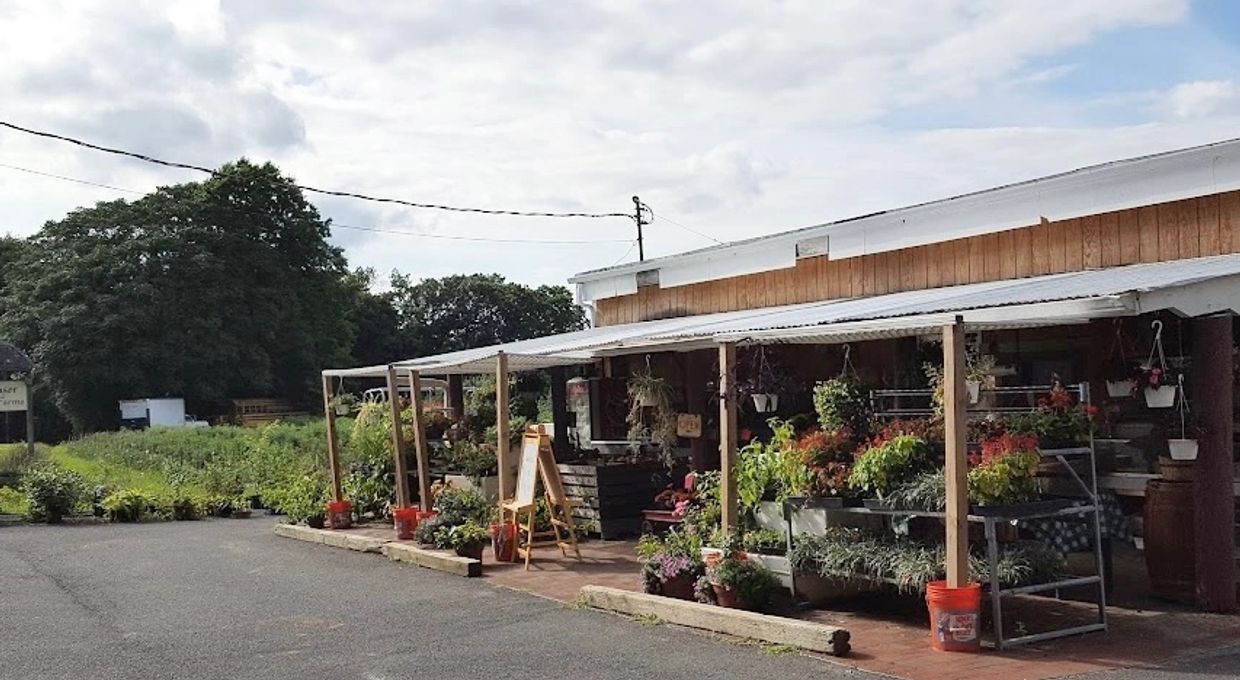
<point>648,620</point>
<point>110,474</point>
<point>12,502</point>
<point>14,459</point>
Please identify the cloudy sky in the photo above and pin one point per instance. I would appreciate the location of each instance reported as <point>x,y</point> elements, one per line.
<point>744,119</point>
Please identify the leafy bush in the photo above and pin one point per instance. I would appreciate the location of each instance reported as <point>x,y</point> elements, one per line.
<point>473,460</point>
<point>467,535</point>
<point>126,505</point>
<point>15,458</point>
<point>458,506</point>
<point>305,499</point>
<point>774,470</point>
<point>186,507</point>
<point>219,506</point>
<point>883,467</point>
<point>53,492</point>
<point>432,531</point>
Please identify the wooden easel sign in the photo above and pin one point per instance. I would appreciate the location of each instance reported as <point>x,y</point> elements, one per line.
<point>537,461</point>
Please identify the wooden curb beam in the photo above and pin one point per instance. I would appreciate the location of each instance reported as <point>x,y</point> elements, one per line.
<point>815,637</point>
<point>336,539</point>
<point>438,560</point>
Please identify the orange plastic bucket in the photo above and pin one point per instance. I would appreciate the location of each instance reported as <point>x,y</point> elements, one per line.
<point>339,514</point>
<point>405,521</point>
<point>955,616</point>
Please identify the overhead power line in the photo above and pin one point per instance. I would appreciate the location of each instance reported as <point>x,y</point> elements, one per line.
<point>354,227</point>
<point>325,192</point>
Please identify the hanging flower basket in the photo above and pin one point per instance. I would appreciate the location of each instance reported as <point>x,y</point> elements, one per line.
<point>1182,449</point>
<point>1160,397</point>
<point>765,402</point>
<point>1119,389</point>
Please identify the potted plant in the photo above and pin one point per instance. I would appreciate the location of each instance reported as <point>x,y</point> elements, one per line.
<point>241,508</point>
<point>343,403</point>
<point>977,374</point>
<point>1002,473</point>
<point>671,565</point>
<point>305,500</point>
<point>1185,447</point>
<point>1119,375</point>
<point>468,539</point>
<point>741,583</point>
<point>1158,386</point>
<point>651,416</point>
<point>52,492</point>
<point>1057,421</point>
<point>840,402</point>
<point>764,384</point>
<point>886,465</point>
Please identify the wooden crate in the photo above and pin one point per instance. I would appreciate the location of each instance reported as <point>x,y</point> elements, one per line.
<point>612,496</point>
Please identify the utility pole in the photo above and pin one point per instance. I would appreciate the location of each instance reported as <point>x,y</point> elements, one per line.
<point>640,218</point>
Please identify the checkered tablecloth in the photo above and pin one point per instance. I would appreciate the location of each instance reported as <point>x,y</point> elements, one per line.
<point>1076,534</point>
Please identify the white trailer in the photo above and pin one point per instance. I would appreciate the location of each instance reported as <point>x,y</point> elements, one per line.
<point>144,413</point>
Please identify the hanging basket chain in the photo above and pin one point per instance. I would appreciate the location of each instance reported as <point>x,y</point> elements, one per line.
<point>1157,347</point>
<point>847,369</point>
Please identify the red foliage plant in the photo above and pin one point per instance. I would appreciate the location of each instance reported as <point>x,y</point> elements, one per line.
<point>1002,446</point>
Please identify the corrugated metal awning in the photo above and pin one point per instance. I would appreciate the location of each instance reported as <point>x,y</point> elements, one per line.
<point>1191,287</point>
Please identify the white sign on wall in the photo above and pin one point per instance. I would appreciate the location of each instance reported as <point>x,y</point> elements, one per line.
<point>12,395</point>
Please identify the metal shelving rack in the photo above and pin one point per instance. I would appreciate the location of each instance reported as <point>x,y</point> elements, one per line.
<point>990,520</point>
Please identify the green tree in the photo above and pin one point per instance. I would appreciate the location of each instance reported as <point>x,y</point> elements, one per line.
<point>207,290</point>
<point>377,336</point>
<point>476,310</point>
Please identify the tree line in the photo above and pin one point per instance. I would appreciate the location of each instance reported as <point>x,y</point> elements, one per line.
<point>228,288</point>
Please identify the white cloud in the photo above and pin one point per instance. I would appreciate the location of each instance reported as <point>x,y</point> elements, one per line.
<point>1203,98</point>
<point>745,119</point>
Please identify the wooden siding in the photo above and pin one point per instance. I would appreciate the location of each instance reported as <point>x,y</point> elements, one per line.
<point>1195,227</point>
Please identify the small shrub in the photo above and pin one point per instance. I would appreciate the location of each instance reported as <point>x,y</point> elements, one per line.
<point>304,499</point>
<point>429,529</point>
<point>126,505</point>
<point>467,535</point>
<point>458,506</point>
<point>218,506</point>
<point>755,585</point>
<point>885,466</point>
<point>186,507</point>
<point>765,542</point>
<point>53,492</point>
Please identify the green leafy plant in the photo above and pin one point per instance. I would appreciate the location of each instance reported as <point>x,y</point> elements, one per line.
<point>755,585</point>
<point>429,531</point>
<point>887,465</point>
<point>1057,420</point>
<point>652,416</point>
<point>53,492</point>
<point>927,491</point>
<point>457,506</point>
<point>841,403</point>
<point>1004,470</point>
<point>12,502</point>
<point>473,460</point>
<point>305,499</point>
<point>126,505</point>
<point>185,507</point>
<point>764,542</point>
<point>773,470</point>
<point>466,536</point>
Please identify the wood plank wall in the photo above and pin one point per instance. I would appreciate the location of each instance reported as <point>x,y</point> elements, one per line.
<point>1196,227</point>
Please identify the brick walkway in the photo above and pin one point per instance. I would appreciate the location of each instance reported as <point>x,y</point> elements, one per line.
<point>890,632</point>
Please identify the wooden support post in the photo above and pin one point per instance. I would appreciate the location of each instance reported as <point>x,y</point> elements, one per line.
<point>419,442</point>
<point>559,413</point>
<point>333,443</point>
<point>1213,497</point>
<point>456,396</point>
<point>727,434</point>
<point>955,426</point>
<point>398,440</point>
<point>29,416</point>
<point>502,425</point>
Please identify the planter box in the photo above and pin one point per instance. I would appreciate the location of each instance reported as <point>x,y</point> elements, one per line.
<point>818,590</point>
<point>612,497</point>
<point>487,486</point>
<point>769,515</point>
<point>1119,389</point>
<point>1182,449</point>
<point>1020,509</point>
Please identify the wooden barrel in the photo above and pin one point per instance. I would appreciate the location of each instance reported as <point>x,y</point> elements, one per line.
<point>1168,524</point>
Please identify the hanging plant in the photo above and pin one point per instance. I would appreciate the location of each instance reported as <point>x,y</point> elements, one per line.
<point>652,418</point>
<point>1156,382</point>
<point>343,404</point>
<point>1119,371</point>
<point>765,383</point>
<point>1184,447</point>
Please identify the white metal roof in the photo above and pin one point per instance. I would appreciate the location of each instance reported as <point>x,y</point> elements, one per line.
<point>1118,185</point>
<point>1189,287</point>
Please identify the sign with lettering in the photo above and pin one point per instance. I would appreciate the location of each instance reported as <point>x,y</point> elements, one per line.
<point>12,395</point>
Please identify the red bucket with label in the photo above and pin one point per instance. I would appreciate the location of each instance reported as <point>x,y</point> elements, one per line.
<point>405,520</point>
<point>339,514</point>
<point>955,616</point>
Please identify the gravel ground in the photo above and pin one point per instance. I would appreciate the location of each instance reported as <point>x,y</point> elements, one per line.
<point>229,599</point>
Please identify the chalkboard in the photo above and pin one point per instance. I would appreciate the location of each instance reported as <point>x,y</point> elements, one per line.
<point>527,473</point>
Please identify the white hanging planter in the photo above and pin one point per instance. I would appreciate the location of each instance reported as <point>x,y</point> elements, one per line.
<point>1182,449</point>
<point>1119,389</point>
<point>974,388</point>
<point>765,402</point>
<point>342,409</point>
<point>1163,397</point>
